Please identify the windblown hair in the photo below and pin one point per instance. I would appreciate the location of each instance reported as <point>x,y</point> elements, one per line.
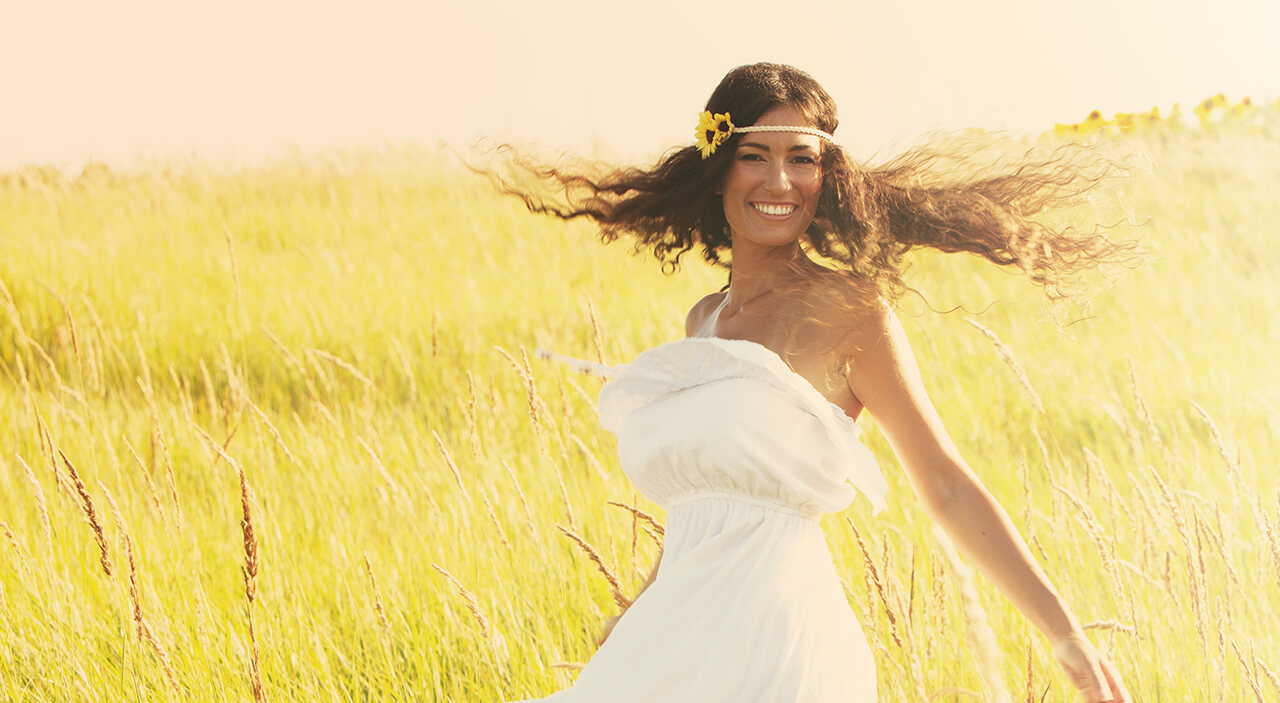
<point>940,196</point>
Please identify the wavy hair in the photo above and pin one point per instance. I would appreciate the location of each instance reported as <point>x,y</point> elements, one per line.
<point>941,195</point>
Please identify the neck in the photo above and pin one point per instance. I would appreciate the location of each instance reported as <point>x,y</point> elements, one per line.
<point>759,270</point>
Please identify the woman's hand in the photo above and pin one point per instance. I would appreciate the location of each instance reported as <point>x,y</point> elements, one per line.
<point>1091,673</point>
<point>608,627</point>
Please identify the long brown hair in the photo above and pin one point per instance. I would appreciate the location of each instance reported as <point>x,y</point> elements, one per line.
<point>940,196</point>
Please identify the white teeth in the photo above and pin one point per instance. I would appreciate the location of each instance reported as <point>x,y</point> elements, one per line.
<point>774,209</point>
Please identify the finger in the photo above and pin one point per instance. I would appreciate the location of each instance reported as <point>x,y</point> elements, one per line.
<point>1118,691</point>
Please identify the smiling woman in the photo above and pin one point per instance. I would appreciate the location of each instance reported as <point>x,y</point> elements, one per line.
<point>742,431</point>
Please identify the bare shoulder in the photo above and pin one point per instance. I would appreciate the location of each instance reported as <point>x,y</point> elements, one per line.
<point>700,311</point>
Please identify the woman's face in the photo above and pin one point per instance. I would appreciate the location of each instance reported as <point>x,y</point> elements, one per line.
<point>770,193</point>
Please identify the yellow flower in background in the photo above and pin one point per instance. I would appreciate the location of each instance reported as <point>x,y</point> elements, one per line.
<point>712,131</point>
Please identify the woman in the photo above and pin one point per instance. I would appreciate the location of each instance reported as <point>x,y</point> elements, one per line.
<point>743,430</point>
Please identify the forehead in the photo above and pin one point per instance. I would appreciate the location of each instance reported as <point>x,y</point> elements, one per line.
<point>781,116</point>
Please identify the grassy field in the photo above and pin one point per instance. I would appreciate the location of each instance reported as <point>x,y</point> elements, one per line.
<point>280,433</point>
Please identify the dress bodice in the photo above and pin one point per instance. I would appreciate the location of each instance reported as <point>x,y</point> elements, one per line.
<point>707,415</point>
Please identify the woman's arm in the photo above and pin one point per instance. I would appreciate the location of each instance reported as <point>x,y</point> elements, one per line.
<point>885,378</point>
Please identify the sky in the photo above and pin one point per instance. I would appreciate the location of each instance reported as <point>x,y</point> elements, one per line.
<point>129,81</point>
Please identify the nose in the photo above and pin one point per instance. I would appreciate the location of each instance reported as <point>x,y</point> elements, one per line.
<point>777,180</point>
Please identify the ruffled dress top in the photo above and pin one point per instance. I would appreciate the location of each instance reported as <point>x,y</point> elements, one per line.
<point>745,456</point>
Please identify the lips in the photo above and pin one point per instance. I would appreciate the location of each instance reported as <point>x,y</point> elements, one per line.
<point>774,209</point>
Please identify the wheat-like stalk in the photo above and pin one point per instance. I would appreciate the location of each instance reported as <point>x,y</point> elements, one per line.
<point>86,504</point>
<point>493,517</point>
<point>592,461</point>
<point>1006,354</point>
<point>1106,549</point>
<point>472,605</point>
<point>622,601</point>
<point>448,458</point>
<point>657,526</point>
<point>524,502</point>
<point>1248,672</point>
<point>874,574</point>
<point>143,627</point>
<point>170,479</point>
<point>23,558</point>
<point>42,508</point>
<point>980,634</point>
<point>596,337</point>
<point>275,433</point>
<point>146,474</point>
<point>1144,413</point>
<point>1228,457</point>
<point>377,594</point>
<point>250,573</point>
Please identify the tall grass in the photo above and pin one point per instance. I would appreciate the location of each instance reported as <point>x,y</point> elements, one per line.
<point>308,390</point>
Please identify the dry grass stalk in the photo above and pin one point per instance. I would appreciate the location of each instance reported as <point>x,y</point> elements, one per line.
<point>592,461</point>
<point>658,540</point>
<point>151,485</point>
<point>622,601</point>
<point>642,515</point>
<point>564,492</point>
<point>1233,464</point>
<point>382,468</point>
<point>1144,414</point>
<point>473,419</point>
<point>1272,540</point>
<point>877,583</point>
<point>980,634</point>
<point>23,557</point>
<point>235,275</point>
<point>472,605</point>
<point>210,395</point>
<point>448,458</point>
<point>524,502</point>
<point>1271,675</point>
<point>1110,625</point>
<point>86,504</point>
<point>1249,675</point>
<point>144,631</point>
<point>42,507</point>
<point>1198,597</point>
<point>1106,549</point>
<point>493,517</point>
<point>47,445</point>
<point>219,451</point>
<point>377,594</point>
<point>144,381</point>
<point>1006,354</point>
<point>570,666</point>
<point>275,433</point>
<point>1031,690</point>
<point>1213,537</point>
<point>345,366</point>
<point>250,573</point>
<point>94,355</point>
<point>411,381</point>
<point>596,337</point>
<point>169,477</point>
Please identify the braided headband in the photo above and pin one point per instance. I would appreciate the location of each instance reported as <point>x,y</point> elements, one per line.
<point>713,130</point>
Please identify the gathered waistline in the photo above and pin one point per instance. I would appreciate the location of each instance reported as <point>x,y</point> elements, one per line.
<point>741,498</point>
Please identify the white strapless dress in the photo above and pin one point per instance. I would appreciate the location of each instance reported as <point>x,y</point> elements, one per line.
<point>744,455</point>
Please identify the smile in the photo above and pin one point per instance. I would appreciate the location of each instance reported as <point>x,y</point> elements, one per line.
<point>775,210</point>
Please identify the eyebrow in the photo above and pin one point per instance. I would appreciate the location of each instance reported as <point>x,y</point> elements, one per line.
<point>762,147</point>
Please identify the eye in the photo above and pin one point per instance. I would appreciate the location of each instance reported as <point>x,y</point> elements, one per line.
<point>750,156</point>
<point>806,160</point>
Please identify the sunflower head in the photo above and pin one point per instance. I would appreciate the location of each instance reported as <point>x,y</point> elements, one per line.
<point>712,131</point>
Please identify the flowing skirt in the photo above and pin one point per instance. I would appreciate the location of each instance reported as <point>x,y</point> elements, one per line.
<point>747,606</point>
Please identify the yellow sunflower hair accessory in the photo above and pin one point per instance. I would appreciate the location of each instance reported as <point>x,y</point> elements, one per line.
<point>712,131</point>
